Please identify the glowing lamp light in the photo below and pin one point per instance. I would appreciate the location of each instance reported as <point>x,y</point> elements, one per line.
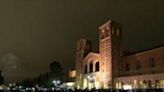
<point>27,88</point>
<point>33,88</point>
<point>54,81</point>
<point>52,88</point>
<point>58,82</point>
<point>20,87</point>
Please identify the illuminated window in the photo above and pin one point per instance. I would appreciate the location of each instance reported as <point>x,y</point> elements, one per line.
<point>72,73</point>
<point>152,62</point>
<point>85,69</point>
<point>90,67</point>
<point>104,33</point>
<point>97,67</point>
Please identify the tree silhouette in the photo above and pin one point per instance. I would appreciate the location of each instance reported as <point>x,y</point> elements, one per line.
<point>56,71</point>
<point>1,78</point>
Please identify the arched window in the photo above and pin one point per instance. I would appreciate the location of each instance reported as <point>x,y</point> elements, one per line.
<point>104,33</point>
<point>90,67</point>
<point>85,69</point>
<point>97,66</point>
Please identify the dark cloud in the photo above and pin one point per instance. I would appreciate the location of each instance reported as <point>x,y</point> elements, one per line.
<point>39,31</point>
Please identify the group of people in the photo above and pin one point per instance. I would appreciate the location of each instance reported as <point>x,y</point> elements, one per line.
<point>111,90</point>
<point>87,90</point>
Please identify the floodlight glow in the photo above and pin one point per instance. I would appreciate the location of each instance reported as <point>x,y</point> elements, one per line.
<point>127,87</point>
<point>89,77</point>
<point>70,83</point>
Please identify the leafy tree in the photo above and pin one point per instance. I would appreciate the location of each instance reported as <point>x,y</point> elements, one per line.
<point>27,83</point>
<point>56,71</point>
<point>44,80</point>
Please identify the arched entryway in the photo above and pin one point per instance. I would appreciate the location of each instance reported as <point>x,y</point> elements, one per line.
<point>85,84</point>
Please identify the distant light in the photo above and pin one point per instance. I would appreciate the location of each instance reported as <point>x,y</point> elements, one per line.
<point>10,84</point>
<point>45,89</point>
<point>14,88</point>
<point>8,88</point>
<point>27,88</point>
<point>1,88</point>
<point>58,82</point>
<point>127,87</point>
<point>53,88</point>
<point>54,81</point>
<point>33,88</point>
<point>88,77</point>
<point>20,87</point>
<point>14,84</point>
<point>36,86</point>
<point>70,84</point>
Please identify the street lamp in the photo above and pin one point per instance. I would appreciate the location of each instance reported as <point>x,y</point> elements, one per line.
<point>56,82</point>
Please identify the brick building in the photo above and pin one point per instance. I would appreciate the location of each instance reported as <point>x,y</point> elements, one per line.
<point>110,68</point>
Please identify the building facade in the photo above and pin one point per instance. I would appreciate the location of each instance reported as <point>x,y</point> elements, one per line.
<point>110,68</point>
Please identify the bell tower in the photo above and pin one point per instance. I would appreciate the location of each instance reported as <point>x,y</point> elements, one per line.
<point>83,47</point>
<point>110,48</point>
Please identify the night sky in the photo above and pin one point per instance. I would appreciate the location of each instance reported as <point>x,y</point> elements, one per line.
<point>33,33</point>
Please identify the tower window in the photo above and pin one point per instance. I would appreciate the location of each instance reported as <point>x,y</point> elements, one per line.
<point>104,33</point>
<point>90,67</point>
<point>97,67</point>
